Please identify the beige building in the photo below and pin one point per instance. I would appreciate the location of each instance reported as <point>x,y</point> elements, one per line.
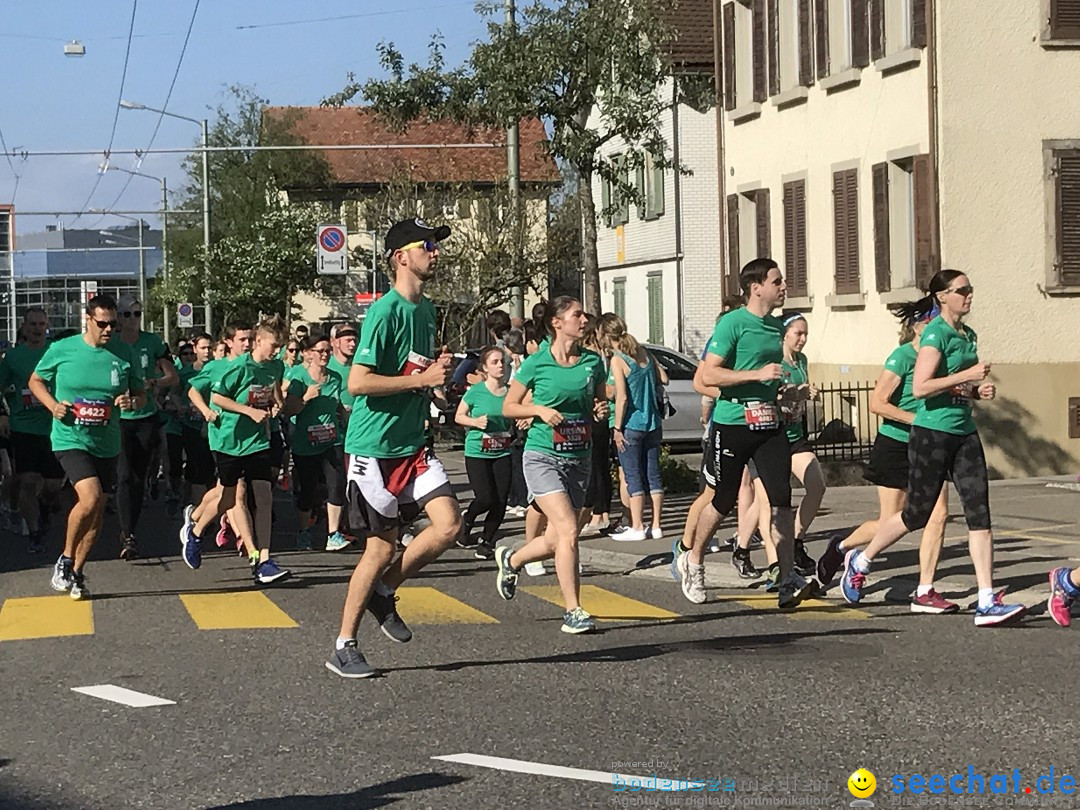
<point>870,142</point>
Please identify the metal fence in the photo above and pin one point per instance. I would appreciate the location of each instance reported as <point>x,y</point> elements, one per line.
<point>839,423</point>
<point>62,298</point>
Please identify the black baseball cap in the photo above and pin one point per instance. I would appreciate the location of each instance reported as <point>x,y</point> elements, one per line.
<point>412,230</point>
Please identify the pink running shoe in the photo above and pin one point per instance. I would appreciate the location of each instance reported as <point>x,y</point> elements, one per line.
<point>933,602</point>
<point>224,532</point>
<point>1060,603</point>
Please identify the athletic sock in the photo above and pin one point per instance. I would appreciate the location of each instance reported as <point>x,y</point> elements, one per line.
<point>923,590</point>
<point>382,590</point>
<point>67,562</point>
<point>860,563</point>
<point>1066,584</point>
<point>340,643</point>
<point>840,546</point>
<point>986,598</point>
<point>682,547</point>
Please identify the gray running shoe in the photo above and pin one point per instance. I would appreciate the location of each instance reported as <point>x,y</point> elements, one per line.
<point>577,621</point>
<point>349,663</point>
<point>793,590</point>
<point>61,577</point>
<point>79,591</point>
<point>384,609</point>
<point>506,582</point>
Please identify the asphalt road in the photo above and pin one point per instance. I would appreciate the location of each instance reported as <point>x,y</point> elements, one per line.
<point>783,706</point>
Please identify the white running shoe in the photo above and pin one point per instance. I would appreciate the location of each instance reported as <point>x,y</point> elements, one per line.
<point>692,579</point>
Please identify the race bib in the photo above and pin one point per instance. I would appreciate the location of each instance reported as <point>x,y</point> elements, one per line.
<point>321,434</point>
<point>761,416</point>
<point>29,400</point>
<point>495,442</point>
<point>961,394</point>
<point>571,435</point>
<point>91,412</point>
<point>261,397</point>
<point>414,364</point>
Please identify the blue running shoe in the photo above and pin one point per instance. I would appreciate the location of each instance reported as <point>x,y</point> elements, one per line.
<point>852,582</point>
<point>190,544</point>
<point>269,572</point>
<point>577,621</point>
<point>337,541</point>
<point>998,612</point>
<point>676,551</point>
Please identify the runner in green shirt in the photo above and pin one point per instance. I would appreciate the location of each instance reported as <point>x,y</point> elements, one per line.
<point>392,475</point>
<point>314,402</point>
<point>199,472</point>
<point>343,346</point>
<point>174,429</point>
<point>38,475</point>
<point>140,430</point>
<point>488,439</point>
<point>943,443</point>
<point>246,396</point>
<point>92,380</point>
<point>568,386</point>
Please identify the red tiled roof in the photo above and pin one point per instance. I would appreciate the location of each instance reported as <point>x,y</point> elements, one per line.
<point>692,47</point>
<point>359,125</point>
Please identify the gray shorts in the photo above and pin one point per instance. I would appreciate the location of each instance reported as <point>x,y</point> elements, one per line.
<point>545,474</point>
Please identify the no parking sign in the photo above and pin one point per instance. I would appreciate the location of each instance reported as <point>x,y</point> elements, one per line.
<point>185,315</point>
<point>333,254</point>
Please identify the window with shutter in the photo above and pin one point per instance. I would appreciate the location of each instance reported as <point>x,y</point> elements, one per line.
<point>654,182</point>
<point>846,230</point>
<point>1067,164</point>
<point>876,13</point>
<point>729,57</point>
<point>927,257</point>
<point>763,223</point>
<point>860,33</point>
<point>619,294</point>
<point>774,46</point>
<point>821,37</point>
<point>882,252</point>
<point>795,238</point>
<point>758,55</point>
<point>733,236</point>
<point>656,308</point>
<point>806,45</point>
<point>1065,19</point>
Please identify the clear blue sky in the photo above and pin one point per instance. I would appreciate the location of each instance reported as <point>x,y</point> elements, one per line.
<point>50,101</point>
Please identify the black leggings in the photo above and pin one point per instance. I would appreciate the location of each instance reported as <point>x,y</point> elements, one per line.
<point>306,473</point>
<point>934,455</point>
<point>200,468</point>
<point>490,482</point>
<point>139,438</point>
<point>598,495</point>
<point>733,447</point>
<point>519,492</point>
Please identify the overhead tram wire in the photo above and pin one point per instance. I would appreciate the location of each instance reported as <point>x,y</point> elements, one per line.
<point>161,117</point>
<point>7,155</point>
<point>355,147</point>
<point>116,112</point>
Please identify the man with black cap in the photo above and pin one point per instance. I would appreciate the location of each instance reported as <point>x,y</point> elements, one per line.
<point>392,474</point>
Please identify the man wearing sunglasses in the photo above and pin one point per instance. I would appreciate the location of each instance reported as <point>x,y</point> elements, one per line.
<point>392,474</point>
<point>37,472</point>
<point>140,429</point>
<point>93,380</point>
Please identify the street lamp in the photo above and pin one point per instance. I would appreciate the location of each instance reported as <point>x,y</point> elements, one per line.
<point>105,167</point>
<point>205,130</point>
<point>142,252</point>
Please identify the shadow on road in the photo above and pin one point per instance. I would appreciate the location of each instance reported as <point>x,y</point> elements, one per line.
<point>380,795</point>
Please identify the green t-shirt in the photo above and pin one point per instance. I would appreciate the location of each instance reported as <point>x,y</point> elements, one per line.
<point>746,342</point>
<point>90,378</point>
<point>396,339</point>
<point>252,384</point>
<point>343,372</point>
<point>189,415</point>
<point>27,414</point>
<point>949,411</point>
<point>571,390</point>
<point>147,349</point>
<point>317,426</point>
<point>493,441</point>
<point>795,374</point>
<point>901,363</point>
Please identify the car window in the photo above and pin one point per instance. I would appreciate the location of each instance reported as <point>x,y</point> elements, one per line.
<point>677,368</point>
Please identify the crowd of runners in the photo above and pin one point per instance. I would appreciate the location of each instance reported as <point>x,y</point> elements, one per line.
<point>342,420</point>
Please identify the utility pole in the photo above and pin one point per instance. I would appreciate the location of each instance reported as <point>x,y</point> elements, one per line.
<point>165,250</point>
<point>142,266</point>
<point>513,173</point>
<point>206,222</point>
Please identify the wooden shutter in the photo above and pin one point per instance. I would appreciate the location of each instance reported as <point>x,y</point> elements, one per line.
<point>1068,217</point>
<point>882,251</point>
<point>821,36</point>
<point>764,223</point>
<point>806,45</point>
<point>795,238</point>
<point>846,230</point>
<point>926,238</point>
<point>656,308</point>
<point>918,23</point>
<point>758,44</point>
<point>733,235</point>
<point>605,201</point>
<point>620,297</point>
<point>729,57</point>
<point>860,33</point>
<point>639,186</point>
<point>774,47</point>
<point>1065,19</point>
<point>877,28</point>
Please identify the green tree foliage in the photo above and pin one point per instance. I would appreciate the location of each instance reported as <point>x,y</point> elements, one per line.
<point>593,70</point>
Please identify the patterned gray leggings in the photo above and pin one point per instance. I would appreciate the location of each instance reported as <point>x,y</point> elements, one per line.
<point>933,456</point>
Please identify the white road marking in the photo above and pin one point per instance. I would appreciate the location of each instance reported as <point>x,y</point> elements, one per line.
<point>118,694</point>
<point>560,772</point>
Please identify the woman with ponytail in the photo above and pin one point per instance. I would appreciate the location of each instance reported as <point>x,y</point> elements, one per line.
<point>944,443</point>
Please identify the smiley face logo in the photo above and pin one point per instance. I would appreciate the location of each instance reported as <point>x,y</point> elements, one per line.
<point>862,784</point>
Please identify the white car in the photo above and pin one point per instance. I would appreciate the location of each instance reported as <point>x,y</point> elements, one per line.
<point>684,427</point>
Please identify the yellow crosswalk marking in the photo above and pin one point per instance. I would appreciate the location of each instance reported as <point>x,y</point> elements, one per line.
<point>810,609</point>
<point>421,604</point>
<point>234,611</point>
<point>45,617</point>
<point>603,605</point>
